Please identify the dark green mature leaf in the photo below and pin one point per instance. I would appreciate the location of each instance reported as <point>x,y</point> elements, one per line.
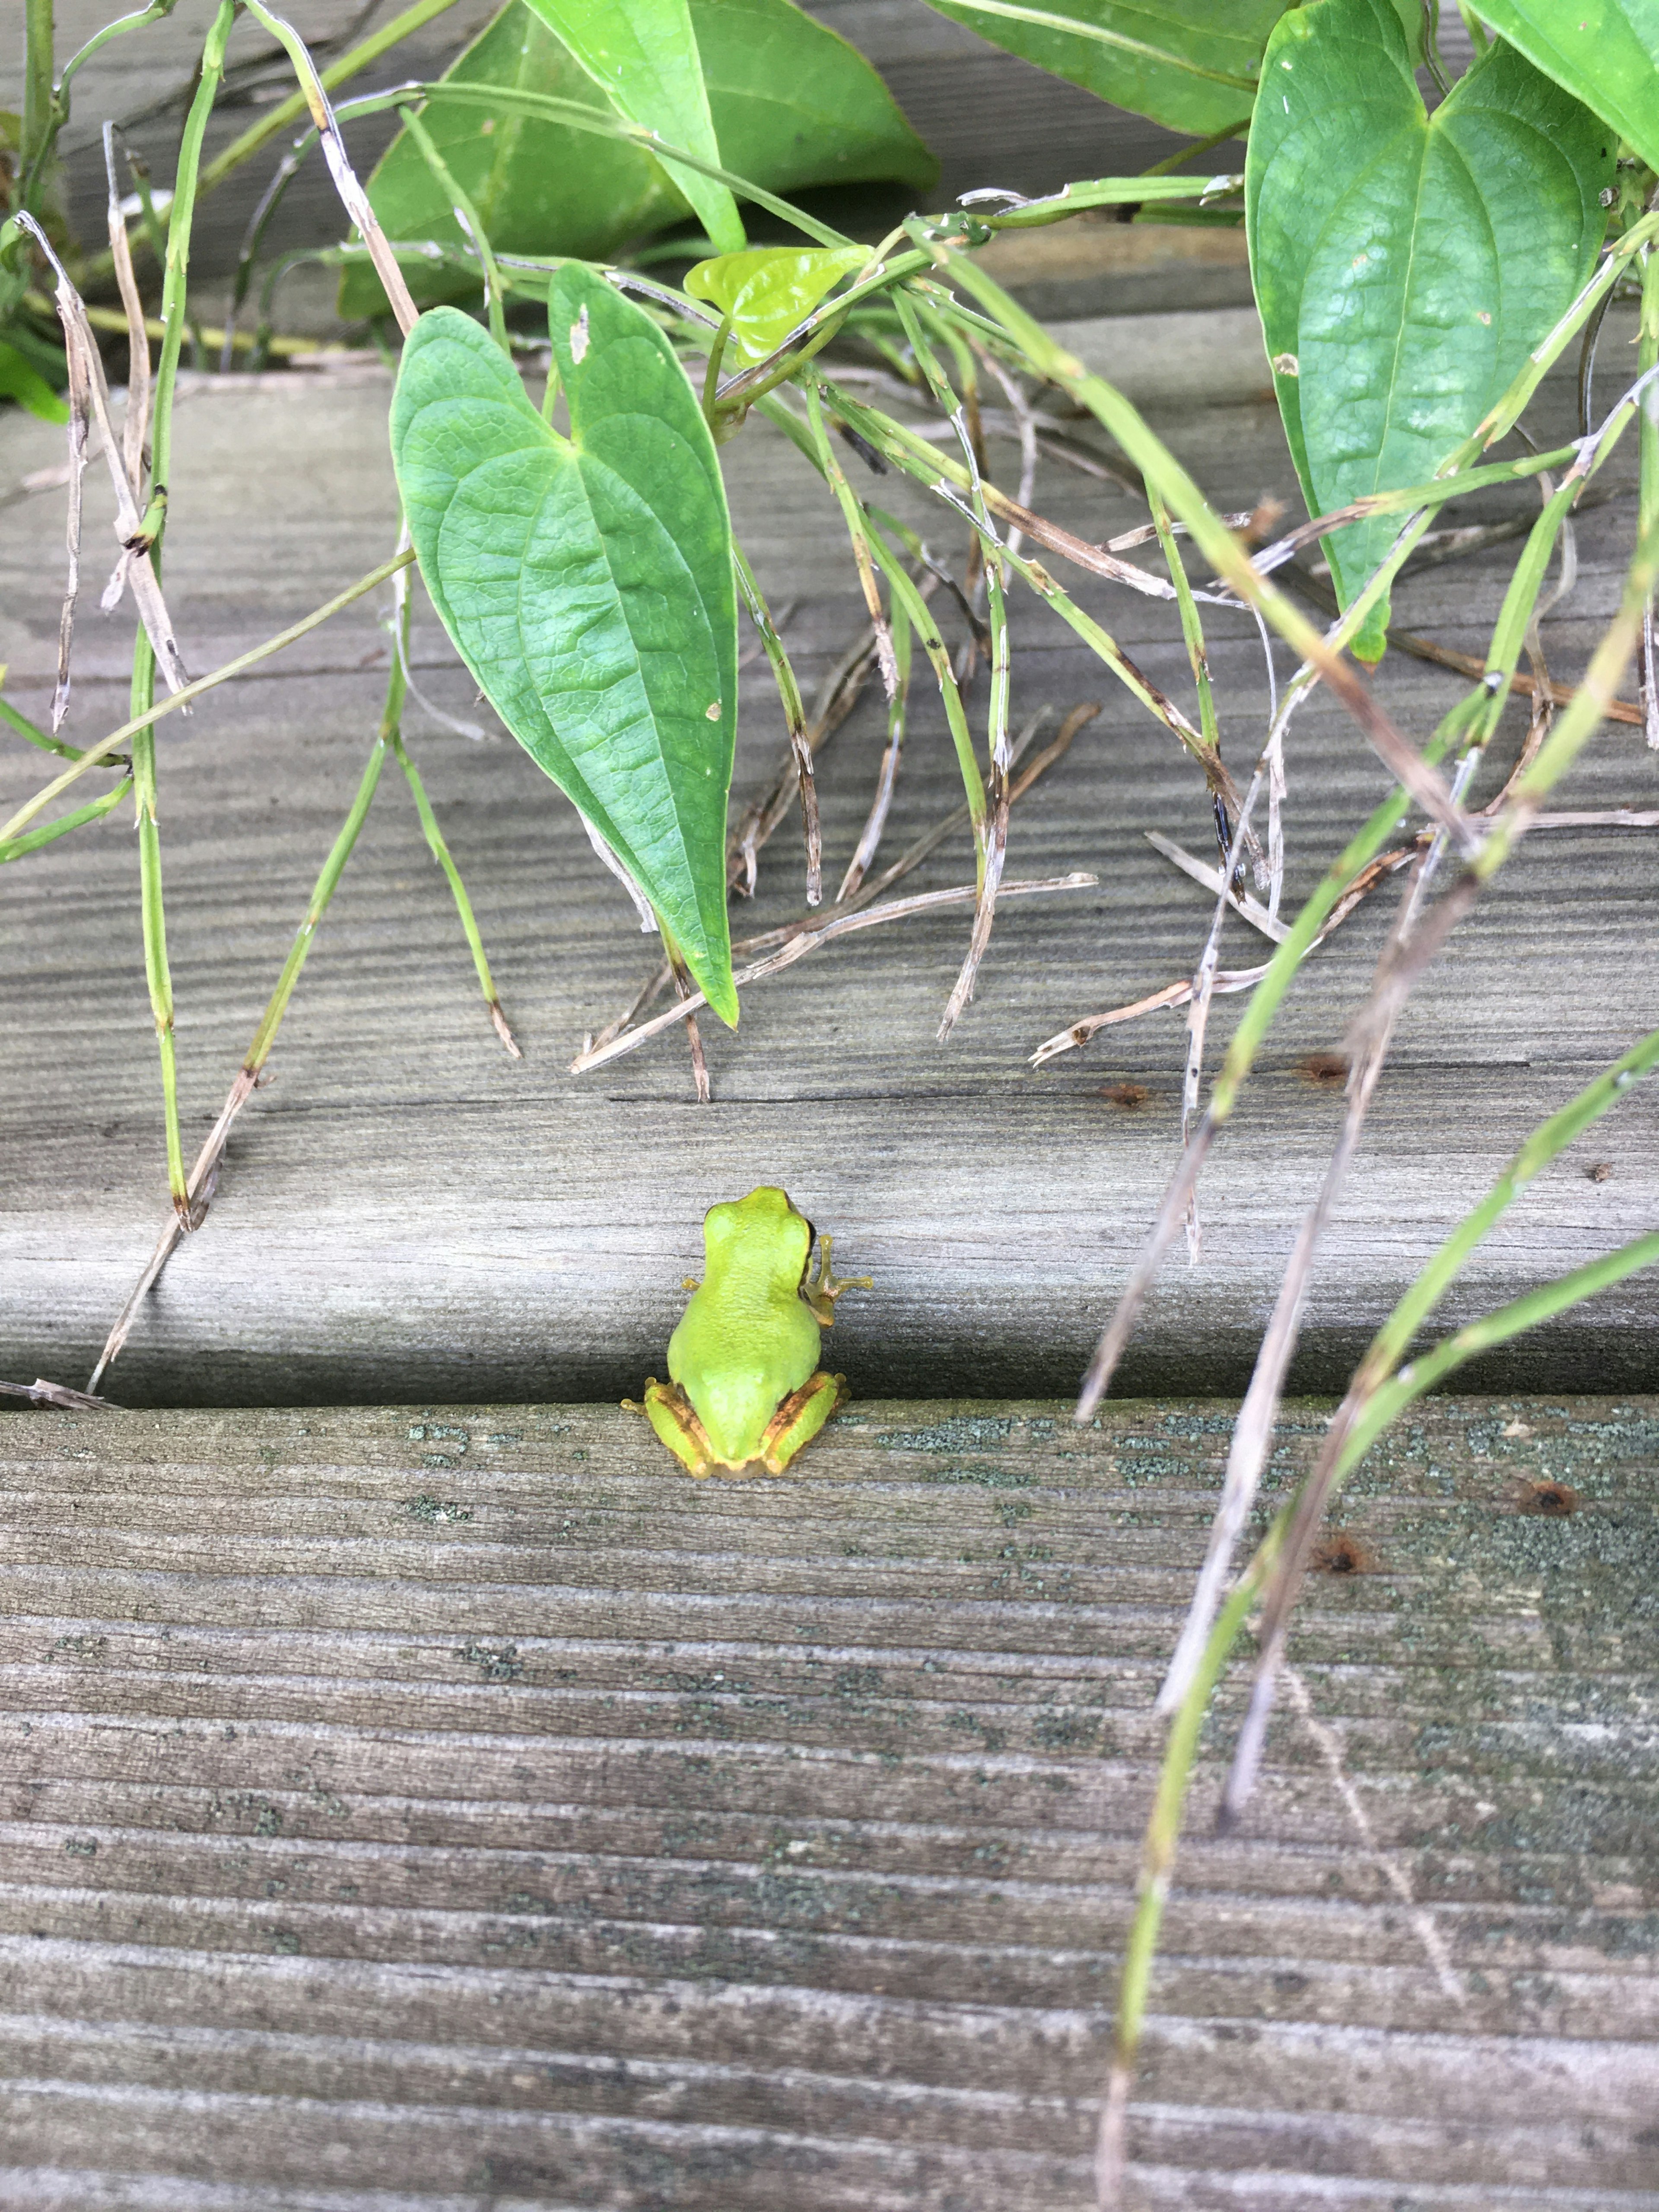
<point>793,103</point>
<point>587,582</point>
<point>643,55</point>
<point>1191,64</point>
<point>20,381</point>
<point>1405,265</point>
<point>1605,52</point>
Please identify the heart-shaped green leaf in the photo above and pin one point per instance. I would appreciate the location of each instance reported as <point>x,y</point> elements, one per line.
<point>768,289</point>
<point>587,582</point>
<point>792,105</point>
<point>643,55</point>
<point>1606,51</point>
<point>1405,263</point>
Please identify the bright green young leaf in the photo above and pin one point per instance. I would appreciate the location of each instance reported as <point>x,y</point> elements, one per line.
<point>768,290</point>
<point>1606,51</point>
<point>793,105</point>
<point>587,582</point>
<point>643,54</point>
<point>25,384</point>
<point>1405,263</point>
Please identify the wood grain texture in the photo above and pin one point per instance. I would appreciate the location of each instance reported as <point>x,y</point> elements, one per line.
<point>405,1210</point>
<point>446,1808</point>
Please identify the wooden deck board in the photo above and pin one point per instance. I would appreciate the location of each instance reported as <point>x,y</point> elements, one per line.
<point>406,1211</point>
<point>447,1807</point>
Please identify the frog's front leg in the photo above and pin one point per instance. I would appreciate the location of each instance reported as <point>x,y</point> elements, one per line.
<point>820,1288</point>
<point>670,1414</point>
<point>798,1420</point>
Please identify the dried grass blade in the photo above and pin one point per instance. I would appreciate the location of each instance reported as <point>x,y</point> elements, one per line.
<point>1227,980</point>
<point>642,906</point>
<point>80,405</point>
<point>794,715</point>
<point>202,1183</point>
<point>80,346</point>
<point>809,941</point>
<point>1170,1215</point>
<point>42,1393</point>
<point>353,198</point>
<point>135,420</point>
<point>887,776</point>
<point>1201,871</point>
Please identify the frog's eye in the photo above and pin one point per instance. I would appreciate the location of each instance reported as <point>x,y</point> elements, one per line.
<point>719,1226</point>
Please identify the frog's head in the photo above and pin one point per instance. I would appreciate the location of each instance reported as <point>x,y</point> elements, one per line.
<point>765,1227</point>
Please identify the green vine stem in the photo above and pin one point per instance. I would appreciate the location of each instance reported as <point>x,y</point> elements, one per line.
<point>1647,359</point>
<point>471,222</point>
<point>157,969</point>
<point>32,840</point>
<point>97,755</point>
<point>440,853</point>
<point>286,113</point>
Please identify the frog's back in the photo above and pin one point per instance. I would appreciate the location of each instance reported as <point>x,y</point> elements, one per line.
<point>746,1341</point>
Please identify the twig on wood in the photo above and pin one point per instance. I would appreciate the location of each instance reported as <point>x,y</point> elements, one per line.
<point>40,1393</point>
<point>859,537</point>
<point>1204,989</point>
<point>837,696</point>
<point>985,545</point>
<point>204,1178</point>
<point>1402,964</point>
<point>96,755</point>
<point>946,828</point>
<point>1144,534</point>
<point>1025,422</point>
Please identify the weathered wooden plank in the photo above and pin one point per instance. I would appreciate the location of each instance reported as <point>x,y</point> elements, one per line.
<point>432,1802</point>
<point>406,1211</point>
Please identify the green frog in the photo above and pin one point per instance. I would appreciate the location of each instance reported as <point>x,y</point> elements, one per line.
<point>744,1362</point>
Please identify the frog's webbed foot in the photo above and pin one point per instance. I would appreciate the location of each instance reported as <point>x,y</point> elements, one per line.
<point>672,1415</point>
<point>798,1420</point>
<point>820,1287</point>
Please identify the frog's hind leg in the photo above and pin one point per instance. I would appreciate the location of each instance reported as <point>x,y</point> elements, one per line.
<point>798,1420</point>
<point>671,1414</point>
